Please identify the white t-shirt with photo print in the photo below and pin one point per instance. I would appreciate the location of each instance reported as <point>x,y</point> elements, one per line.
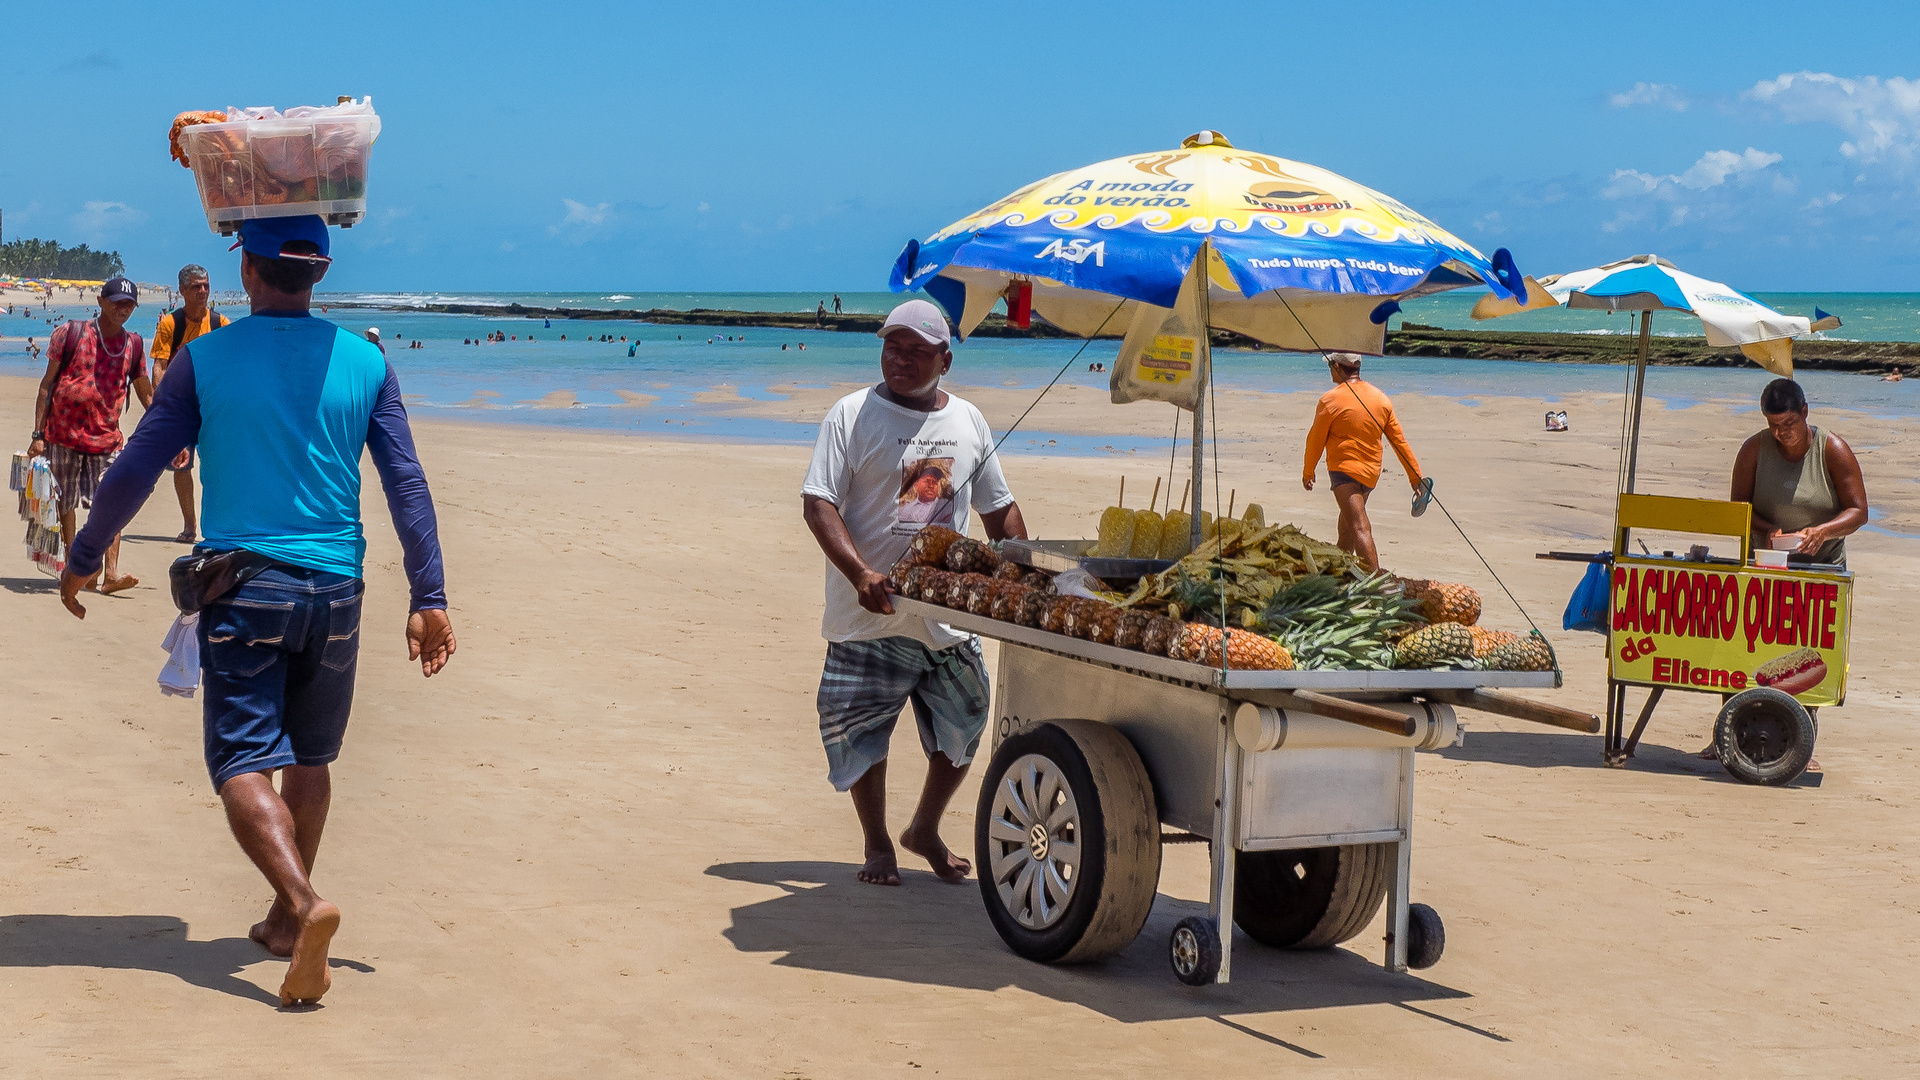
<point>891,471</point>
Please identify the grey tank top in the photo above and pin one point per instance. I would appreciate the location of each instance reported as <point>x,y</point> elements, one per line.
<point>1796,494</point>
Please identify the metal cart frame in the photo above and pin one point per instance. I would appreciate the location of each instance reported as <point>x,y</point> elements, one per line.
<point>1254,760</point>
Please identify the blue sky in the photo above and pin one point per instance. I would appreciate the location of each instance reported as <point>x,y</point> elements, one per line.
<point>719,146</point>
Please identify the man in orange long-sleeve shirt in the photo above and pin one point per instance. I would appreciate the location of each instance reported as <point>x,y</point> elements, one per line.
<point>1347,425</point>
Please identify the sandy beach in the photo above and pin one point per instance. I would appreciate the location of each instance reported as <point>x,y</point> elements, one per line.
<point>602,842</point>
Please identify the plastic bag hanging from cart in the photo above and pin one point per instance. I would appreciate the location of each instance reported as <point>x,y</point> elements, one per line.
<point>1165,351</point>
<point>1590,606</point>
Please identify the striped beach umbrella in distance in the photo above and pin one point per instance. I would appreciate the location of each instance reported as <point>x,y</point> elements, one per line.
<point>1648,283</point>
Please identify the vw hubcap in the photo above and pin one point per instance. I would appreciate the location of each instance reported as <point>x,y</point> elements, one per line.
<point>1034,842</point>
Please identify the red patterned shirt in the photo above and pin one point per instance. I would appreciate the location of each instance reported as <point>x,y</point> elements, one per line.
<point>92,390</point>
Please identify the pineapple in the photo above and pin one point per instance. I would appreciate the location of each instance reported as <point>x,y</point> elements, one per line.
<point>1146,535</point>
<point>1255,516</point>
<point>967,556</point>
<point>908,584</point>
<point>1054,619</point>
<point>1093,621</point>
<point>1158,635</point>
<point>1530,653</point>
<point>1006,600</point>
<point>1037,579</point>
<point>1196,598</point>
<point>1176,535</point>
<point>1130,629</point>
<point>1438,645</point>
<point>1245,651</point>
<point>1116,533</point>
<point>897,577</point>
<point>1441,602</point>
<point>1009,571</point>
<point>1032,605</point>
<point>980,594</point>
<point>1485,641</point>
<point>961,588</point>
<point>934,585</point>
<point>929,546</point>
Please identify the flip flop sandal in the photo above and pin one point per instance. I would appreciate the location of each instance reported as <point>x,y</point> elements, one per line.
<point>1423,496</point>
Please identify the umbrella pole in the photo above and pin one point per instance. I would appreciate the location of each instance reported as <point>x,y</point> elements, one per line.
<point>1203,357</point>
<point>1639,392</point>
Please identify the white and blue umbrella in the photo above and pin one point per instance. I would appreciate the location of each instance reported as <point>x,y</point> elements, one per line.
<point>1651,283</point>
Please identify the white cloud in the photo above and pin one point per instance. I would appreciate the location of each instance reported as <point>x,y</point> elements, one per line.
<point>703,208</point>
<point>1881,117</point>
<point>579,213</point>
<point>1713,170</point>
<point>98,221</point>
<point>1663,95</point>
<point>1821,202</point>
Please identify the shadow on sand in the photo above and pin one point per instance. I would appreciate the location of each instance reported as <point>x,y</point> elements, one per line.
<point>137,943</point>
<point>1535,750</point>
<point>31,586</point>
<point>937,934</point>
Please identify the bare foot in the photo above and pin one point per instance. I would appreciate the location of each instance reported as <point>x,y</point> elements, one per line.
<point>307,976</point>
<point>276,932</point>
<point>881,868</point>
<point>109,586</point>
<point>947,866</point>
<point>1711,753</point>
<point>186,536</point>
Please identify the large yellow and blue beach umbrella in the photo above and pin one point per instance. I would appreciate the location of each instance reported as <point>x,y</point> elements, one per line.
<point>1296,256</point>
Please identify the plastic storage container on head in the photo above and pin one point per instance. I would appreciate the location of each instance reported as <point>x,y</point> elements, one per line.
<point>267,164</point>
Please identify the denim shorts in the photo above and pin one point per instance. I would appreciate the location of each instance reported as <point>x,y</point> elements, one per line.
<point>277,660</point>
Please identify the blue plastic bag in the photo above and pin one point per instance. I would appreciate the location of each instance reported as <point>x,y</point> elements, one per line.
<point>1590,606</point>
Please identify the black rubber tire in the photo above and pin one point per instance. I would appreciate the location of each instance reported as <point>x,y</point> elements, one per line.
<point>1193,950</point>
<point>1426,937</point>
<point>1310,898</point>
<point>1764,736</point>
<point>1120,842</point>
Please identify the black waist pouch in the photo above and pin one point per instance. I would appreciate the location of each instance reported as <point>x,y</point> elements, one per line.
<point>206,577</point>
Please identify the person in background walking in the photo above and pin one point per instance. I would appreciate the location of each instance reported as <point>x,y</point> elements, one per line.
<point>836,303</point>
<point>1347,426</point>
<point>76,418</point>
<point>195,317</point>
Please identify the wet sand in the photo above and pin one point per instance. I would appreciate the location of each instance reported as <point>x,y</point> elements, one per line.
<point>602,842</point>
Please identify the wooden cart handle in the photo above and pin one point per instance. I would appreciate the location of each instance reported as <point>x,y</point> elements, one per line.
<point>1519,708</point>
<point>1353,712</point>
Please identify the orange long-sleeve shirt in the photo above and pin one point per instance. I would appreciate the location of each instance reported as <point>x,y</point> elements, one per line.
<point>1349,434</point>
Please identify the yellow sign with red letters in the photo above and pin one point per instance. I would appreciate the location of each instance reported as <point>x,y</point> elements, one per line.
<point>1690,626</point>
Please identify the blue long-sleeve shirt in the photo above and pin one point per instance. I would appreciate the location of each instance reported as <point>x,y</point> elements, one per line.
<point>278,418</point>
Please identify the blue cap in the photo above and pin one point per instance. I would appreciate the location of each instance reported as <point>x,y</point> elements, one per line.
<point>266,236</point>
<point>119,288</point>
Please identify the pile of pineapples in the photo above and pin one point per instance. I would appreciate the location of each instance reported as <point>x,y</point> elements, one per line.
<point>1268,598</point>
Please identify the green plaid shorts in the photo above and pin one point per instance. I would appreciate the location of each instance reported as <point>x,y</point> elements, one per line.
<point>866,683</point>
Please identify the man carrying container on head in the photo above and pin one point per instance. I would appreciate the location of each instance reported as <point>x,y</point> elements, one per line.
<point>194,318</point>
<point>1347,426</point>
<point>863,502</point>
<point>281,404</point>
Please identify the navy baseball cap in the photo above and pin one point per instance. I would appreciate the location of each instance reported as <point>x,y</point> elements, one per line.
<point>267,236</point>
<point>119,289</point>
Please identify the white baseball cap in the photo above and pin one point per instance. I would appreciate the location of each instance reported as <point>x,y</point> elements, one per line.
<point>922,317</point>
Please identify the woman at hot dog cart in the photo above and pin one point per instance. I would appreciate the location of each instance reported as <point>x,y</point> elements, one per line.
<point>1803,483</point>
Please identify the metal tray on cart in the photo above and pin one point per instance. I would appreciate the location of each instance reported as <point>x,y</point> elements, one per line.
<point>1056,556</point>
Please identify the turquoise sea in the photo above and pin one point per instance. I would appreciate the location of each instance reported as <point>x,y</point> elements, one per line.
<point>503,382</point>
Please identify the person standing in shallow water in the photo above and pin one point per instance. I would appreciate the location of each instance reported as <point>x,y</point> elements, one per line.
<point>880,450</point>
<point>281,405</point>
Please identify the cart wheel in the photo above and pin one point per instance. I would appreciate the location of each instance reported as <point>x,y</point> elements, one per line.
<point>1310,898</point>
<point>1764,736</point>
<point>1194,949</point>
<point>1067,841</point>
<point>1426,936</point>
